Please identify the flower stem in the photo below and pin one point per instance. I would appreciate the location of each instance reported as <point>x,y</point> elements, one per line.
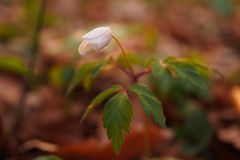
<point>126,58</point>
<point>142,73</point>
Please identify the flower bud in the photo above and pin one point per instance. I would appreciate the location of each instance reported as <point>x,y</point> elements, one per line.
<point>95,40</point>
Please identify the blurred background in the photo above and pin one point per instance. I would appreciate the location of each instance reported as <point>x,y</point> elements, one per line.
<point>39,40</point>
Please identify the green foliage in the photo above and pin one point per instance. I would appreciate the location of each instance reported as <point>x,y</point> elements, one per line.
<point>150,103</point>
<point>179,76</point>
<point>161,76</point>
<point>51,157</point>
<point>13,64</point>
<point>195,131</point>
<point>171,74</point>
<point>176,77</point>
<point>116,119</point>
<point>100,98</point>
<point>187,72</point>
<point>86,73</point>
<point>59,76</point>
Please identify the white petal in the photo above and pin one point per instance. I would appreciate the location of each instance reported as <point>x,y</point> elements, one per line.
<point>97,32</point>
<point>99,43</point>
<point>84,47</point>
<point>96,40</point>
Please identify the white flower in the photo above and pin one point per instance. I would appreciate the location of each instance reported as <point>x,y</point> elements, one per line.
<point>95,40</point>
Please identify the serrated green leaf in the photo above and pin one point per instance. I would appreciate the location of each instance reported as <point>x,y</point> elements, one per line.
<point>116,119</point>
<point>188,74</point>
<point>150,103</point>
<point>99,98</point>
<point>52,157</point>
<point>86,73</point>
<point>205,71</point>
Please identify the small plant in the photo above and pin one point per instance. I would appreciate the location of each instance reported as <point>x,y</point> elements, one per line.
<point>117,114</point>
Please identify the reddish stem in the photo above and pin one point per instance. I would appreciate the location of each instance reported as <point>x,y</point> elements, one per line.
<point>142,73</point>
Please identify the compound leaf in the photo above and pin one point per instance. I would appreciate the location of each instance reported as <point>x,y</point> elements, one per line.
<point>150,103</point>
<point>116,119</point>
<point>188,74</point>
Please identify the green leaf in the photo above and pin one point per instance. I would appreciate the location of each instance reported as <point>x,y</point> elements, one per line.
<point>161,76</point>
<point>116,119</point>
<point>13,64</point>
<point>87,82</point>
<point>196,130</point>
<point>99,98</point>
<point>188,74</point>
<point>60,75</point>
<point>150,103</point>
<point>97,68</point>
<point>79,75</point>
<point>86,73</point>
<point>52,157</point>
